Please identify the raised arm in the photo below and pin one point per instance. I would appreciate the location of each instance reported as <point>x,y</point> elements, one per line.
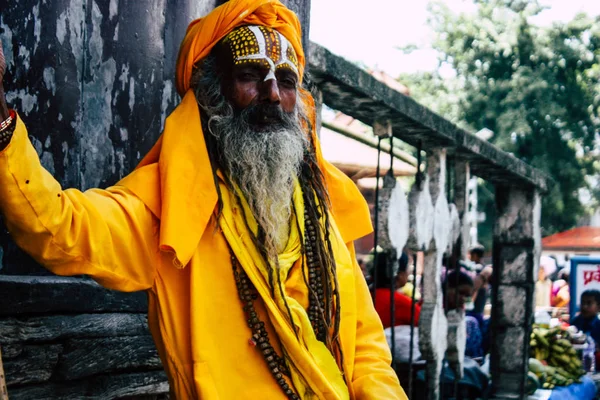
<point>109,235</point>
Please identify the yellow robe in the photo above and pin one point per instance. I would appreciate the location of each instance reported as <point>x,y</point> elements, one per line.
<point>194,313</point>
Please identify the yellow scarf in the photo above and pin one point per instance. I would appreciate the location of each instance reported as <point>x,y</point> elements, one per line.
<point>313,368</point>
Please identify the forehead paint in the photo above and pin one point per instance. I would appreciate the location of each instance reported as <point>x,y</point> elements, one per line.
<point>262,45</point>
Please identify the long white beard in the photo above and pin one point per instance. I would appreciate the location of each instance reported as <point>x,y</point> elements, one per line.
<point>265,166</point>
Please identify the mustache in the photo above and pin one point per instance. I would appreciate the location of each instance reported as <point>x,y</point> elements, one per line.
<point>267,114</point>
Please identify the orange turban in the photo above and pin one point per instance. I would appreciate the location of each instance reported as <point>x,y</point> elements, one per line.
<point>204,33</point>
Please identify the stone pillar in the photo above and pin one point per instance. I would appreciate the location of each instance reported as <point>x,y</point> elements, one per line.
<point>457,331</point>
<point>302,10</point>
<point>516,255</point>
<point>462,174</point>
<point>430,232</point>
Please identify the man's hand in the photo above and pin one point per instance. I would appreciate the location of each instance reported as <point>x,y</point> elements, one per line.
<point>3,107</point>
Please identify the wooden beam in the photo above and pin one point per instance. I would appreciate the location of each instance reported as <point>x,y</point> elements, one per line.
<point>355,92</point>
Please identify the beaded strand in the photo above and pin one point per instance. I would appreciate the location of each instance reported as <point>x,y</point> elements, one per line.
<point>260,337</point>
<point>248,294</point>
<point>315,313</point>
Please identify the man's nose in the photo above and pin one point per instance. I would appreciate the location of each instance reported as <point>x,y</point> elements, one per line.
<point>270,91</point>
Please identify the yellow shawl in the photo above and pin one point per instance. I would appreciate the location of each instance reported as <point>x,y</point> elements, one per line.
<point>313,368</point>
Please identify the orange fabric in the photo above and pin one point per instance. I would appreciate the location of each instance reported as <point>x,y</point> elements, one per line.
<point>112,236</point>
<point>204,33</point>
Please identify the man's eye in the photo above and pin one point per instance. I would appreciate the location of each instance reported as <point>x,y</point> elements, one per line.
<point>288,83</point>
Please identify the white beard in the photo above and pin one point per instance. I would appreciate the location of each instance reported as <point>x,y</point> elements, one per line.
<point>265,166</point>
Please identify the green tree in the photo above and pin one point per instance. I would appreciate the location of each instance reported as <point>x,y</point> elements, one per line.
<point>536,88</point>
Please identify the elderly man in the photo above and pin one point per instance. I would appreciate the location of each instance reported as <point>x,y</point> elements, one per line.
<point>234,224</point>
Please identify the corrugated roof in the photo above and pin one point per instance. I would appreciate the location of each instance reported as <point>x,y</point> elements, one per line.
<point>585,237</point>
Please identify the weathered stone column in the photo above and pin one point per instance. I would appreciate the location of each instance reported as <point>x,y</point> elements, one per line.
<point>459,243</point>
<point>430,228</point>
<point>462,174</point>
<point>516,255</point>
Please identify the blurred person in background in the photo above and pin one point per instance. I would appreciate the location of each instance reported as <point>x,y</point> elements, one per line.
<point>403,285</point>
<point>561,295</point>
<point>543,286</point>
<point>481,292</point>
<point>458,289</point>
<point>386,281</point>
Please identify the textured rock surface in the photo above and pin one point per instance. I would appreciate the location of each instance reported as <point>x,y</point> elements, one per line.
<point>433,324</point>
<point>516,255</point>
<point>394,216</point>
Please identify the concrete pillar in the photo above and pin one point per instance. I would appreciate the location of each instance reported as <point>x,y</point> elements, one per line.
<point>516,255</point>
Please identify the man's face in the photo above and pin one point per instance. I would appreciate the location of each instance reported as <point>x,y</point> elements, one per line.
<point>589,307</point>
<point>264,73</point>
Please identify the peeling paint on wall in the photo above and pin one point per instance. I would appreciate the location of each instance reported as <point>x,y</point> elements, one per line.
<point>37,26</point>
<point>28,102</point>
<point>7,44</point>
<point>167,95</point>
<point>96,147</point>
<point>70,23</point>
<point>114,8</point>
<point>131,93</point>
<point>24,55</point>
<point>50,79</point>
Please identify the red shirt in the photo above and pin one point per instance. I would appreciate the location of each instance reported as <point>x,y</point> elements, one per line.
<point>402,308</point>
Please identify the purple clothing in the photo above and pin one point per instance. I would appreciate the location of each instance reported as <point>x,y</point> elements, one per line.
<point>474,348</point>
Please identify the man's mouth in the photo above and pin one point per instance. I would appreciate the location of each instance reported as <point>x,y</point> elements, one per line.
<point>266,117</point>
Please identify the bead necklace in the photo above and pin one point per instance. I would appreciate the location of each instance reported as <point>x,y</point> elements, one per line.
<point>260,337</point>
<point>315,308</point>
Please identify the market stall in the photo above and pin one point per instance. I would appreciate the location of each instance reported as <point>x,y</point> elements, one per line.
<point>560,360</point>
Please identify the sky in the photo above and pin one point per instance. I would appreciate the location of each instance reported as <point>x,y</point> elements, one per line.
<point>371,34</point>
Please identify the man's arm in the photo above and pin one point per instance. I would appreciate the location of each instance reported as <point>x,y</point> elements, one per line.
<point>107,234</point>
<point>373,377</point>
